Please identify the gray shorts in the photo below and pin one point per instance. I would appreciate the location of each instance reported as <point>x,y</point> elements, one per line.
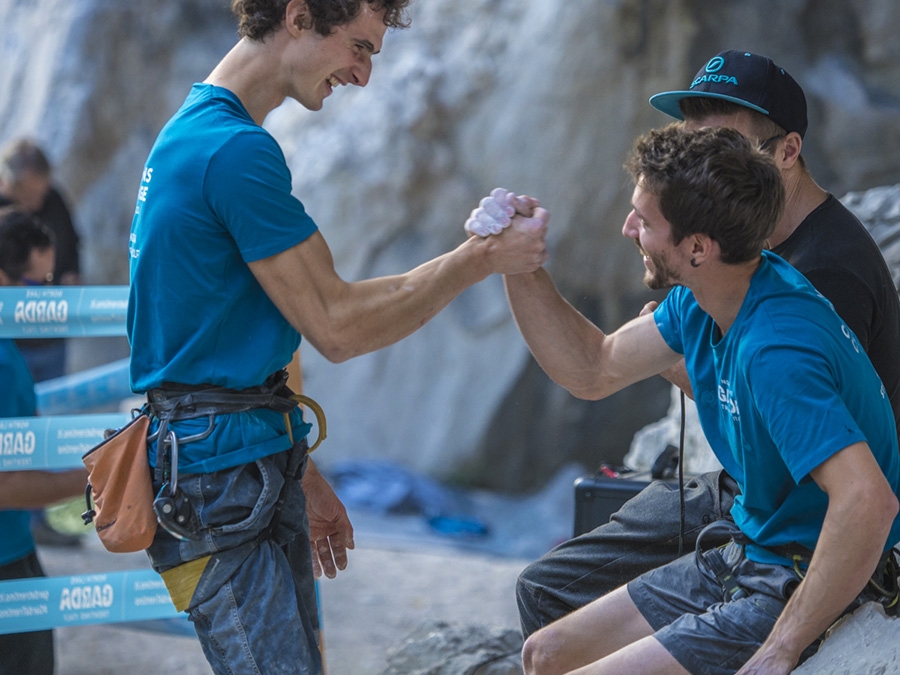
<point>707,633</point>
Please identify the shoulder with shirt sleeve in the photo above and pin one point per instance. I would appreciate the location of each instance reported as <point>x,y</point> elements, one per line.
<point>248,187</point>
<point>670,316</point>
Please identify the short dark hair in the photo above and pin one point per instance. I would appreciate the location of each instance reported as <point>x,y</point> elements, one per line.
<point>259,18</point>
<point>20,234</point>
<point>22,155</point>
<point>712,181</point>
<point>698,108</point>
<point>701,107</point>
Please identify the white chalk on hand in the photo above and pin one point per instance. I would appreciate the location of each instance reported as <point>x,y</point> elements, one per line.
<point>504,198</point>
<point>493,215</point>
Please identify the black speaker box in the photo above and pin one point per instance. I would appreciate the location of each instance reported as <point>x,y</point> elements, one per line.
<point>597,497</point>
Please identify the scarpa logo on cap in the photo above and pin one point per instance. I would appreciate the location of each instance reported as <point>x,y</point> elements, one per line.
<point>715,64</point>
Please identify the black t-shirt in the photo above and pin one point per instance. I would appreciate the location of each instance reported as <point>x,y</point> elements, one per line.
<point>835,252</point>
<point>55,215</point>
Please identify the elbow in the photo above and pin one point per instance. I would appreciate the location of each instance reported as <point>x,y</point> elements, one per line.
<point>587,393</point>
<point>887,505</point>
<point>892,506</point>
<point>333,353</point>
<point>590,390</point>
<point>332,346</point>
<point>592,381</point>
<point>884,510</point>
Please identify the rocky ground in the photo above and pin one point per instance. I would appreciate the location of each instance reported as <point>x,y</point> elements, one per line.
<point>403,577</point>
<point>368,610</point>
<point>414,602</point>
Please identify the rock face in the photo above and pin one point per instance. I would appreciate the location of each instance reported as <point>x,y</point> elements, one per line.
<point>442,648</point>
<point>541,96</point>
<point>863,643</point>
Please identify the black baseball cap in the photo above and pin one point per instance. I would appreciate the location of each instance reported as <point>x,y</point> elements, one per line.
<point>750,80</point>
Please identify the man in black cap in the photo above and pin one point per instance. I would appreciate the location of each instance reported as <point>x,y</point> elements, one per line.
<point>819,237</point>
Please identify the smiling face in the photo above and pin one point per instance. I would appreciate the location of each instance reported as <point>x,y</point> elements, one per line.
<point>652,234</point>
<point>322,63</point>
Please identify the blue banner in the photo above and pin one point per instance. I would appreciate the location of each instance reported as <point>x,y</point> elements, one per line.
<point>29,443</point>
<point>62,311</point>
<point>85,390</point>
<point>111,597</point>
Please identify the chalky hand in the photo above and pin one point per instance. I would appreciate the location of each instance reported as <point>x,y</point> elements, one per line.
<point>493,215</point>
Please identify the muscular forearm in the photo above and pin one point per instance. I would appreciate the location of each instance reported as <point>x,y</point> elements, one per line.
<point>33,489</point>
<point>562,340</point>
<point>573,351</point>
<point>375,313</point>
<point>344,319</point>
<point>853,537</point>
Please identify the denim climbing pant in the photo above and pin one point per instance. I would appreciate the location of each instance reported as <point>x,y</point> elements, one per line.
<point>254,604</point>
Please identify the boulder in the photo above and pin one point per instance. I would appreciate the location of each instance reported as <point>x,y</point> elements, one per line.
<point>541,96</point>
<point>442,648</point>
<point>862,643</point>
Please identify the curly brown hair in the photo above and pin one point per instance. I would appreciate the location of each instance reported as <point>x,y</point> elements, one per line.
<point>712,181</point>
<point>259,18</point>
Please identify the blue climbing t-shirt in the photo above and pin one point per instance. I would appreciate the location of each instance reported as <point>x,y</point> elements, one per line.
<point>215,195</point>
<point>16,400</point>
<point>792,388</point>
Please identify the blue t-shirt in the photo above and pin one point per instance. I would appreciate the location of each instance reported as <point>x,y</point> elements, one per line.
<point>16,400</point>
<point>789,386</point>
<point>215,195</point>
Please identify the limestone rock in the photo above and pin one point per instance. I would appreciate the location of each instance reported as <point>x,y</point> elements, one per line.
<point>650,441</point>
<point>879,210</point>
<point>540,96</point>
<point>442,648</point>
<point>863,643</point>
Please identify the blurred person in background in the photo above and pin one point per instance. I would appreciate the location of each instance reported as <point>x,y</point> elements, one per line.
<point>26,182</point>
<point>26,255</point>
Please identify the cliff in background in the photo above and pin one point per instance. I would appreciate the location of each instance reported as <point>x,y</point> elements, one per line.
<point>541,96</point>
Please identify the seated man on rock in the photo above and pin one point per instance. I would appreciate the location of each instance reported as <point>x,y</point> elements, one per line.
<point>806,427</point>
<point>818,236</point>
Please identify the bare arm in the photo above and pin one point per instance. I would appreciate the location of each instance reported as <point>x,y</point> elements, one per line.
<point>573,351</point>
<point>343,319</point>
<point>861,509</point>
<point>33,489</point>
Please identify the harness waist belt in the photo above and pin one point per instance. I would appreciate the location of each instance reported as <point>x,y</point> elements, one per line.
<point>182,402</point>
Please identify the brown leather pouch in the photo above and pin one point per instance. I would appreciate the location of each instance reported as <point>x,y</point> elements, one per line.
<point>119,482</point>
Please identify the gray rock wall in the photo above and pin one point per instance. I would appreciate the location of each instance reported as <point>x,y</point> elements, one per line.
<point>542,96</point>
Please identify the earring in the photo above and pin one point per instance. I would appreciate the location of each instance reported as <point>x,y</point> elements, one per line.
<point>694,263</point>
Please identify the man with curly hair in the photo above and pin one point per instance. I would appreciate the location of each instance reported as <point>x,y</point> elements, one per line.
<point>818,236</point>
<point>227,271</point>
<point>806,425</point>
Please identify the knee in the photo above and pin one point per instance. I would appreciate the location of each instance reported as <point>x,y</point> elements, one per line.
<point>539,654</point>
<point>524,584</point>
<point>527,601</point>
